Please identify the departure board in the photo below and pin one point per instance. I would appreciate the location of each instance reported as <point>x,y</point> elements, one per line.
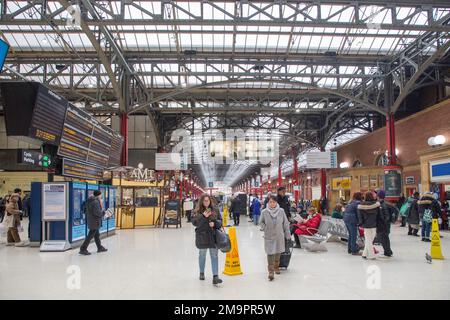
<point>116,150</point>
<point>85,139</point>
<point>76,169</point>
<point>48,116</point>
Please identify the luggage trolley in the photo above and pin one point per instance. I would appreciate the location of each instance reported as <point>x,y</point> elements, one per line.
<point>172,213</point>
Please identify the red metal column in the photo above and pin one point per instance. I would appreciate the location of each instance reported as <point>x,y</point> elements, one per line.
<point>261,186</point>
<point>124,133</point>
<point>390,139</point>
<point>280,177</point>
<point>295,177</point>
<point>323,180</point>
<point>181,186</point>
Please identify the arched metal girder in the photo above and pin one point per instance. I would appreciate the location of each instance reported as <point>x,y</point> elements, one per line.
<point>231,81</point>
<point>101,54</point>
<point>409,86</point>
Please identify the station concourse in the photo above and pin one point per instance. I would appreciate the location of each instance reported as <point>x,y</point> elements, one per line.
<point>239,150</point>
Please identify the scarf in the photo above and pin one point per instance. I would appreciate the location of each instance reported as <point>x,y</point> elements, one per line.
<point>273,212</point>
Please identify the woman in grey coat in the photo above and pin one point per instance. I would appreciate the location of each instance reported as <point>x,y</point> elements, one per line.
<point>275,225</point>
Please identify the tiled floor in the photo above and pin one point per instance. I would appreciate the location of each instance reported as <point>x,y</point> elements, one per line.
<point>162,264</point>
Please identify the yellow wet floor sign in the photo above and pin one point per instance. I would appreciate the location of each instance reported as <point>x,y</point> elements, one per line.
<point>232,261</point>
<point>436,252</point>
<point>225,216</point>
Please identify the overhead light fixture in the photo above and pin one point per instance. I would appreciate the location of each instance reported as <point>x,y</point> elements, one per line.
<point>44,41</point>
<point>60,67</point>
<point>309,177</point>
<point>258,67</point>
<point>343,165</point>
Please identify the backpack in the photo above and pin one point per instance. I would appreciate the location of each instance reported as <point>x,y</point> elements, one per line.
<point>427,215</point>
<point>405,208</point>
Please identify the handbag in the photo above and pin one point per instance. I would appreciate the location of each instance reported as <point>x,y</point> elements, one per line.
<point>223,242</point>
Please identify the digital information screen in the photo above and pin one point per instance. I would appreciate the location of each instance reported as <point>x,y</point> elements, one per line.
<point>48,116</point>
<point>116,150</point>
<point>75,169</point>
<point>85,139</point>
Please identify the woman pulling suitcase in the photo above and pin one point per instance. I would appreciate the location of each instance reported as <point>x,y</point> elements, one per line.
<point>275,225</point>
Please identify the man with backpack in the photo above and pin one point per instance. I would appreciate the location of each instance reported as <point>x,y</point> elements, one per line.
<point>429,209</point>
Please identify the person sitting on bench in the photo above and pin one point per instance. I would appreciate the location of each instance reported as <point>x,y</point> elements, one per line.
<point>306,226</point>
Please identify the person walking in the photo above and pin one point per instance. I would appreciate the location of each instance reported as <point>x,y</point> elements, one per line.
<point>12,220</point>
<point>429,209</point>
<point>368,212</point>
<point>351,222</point>
<point>413,217</point>
<point>207,219</point>
<point>283,202</point>
<point>275,226</point>
<point>388,212</point>
<point>256,209</point>
<point>94,215</point>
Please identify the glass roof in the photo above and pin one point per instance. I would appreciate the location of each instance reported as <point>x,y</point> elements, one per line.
<point>232,45</point>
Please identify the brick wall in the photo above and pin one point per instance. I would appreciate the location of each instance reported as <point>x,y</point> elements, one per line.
<point>412,134</point>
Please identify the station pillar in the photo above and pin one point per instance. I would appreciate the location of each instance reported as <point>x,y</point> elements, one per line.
<point>295,178</point>
<point>323,180</point>
<point>280,177</point>
<point>124,133</point>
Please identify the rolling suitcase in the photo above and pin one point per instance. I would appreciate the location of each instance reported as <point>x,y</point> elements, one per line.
<point>285,257</point>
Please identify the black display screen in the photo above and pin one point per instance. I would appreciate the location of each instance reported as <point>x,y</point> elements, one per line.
<point>48,116</point>
<point>87,140</point>
<point>76,169</point>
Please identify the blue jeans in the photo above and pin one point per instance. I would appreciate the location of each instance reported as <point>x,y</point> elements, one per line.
<point>426,229</point>
<point>256,219</point>
<point>214,260</point>
<point>352,236</point>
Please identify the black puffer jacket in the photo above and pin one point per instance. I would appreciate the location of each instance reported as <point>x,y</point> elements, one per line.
<point>387,213</point>
<point>429,202</point>
<point>94,213</point>
<point>368,212</point>
<point>283,202</point>
<point>204,234</point>
<point>413,213</point>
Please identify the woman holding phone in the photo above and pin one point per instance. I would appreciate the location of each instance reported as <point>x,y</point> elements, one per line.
<point>206,220</point>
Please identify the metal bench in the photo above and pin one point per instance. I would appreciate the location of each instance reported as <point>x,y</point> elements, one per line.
<point>316,242</point>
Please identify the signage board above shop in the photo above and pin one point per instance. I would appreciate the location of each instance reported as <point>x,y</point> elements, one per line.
<point>171,161</point>
<point>321,160</point>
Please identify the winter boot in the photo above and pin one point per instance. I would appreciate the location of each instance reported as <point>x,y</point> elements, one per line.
<point>409,231</point>
<point>414,233</point>
<point>277,267</point>
<point>271,269</point>
<point>202,276</point>
<point>216,280</point>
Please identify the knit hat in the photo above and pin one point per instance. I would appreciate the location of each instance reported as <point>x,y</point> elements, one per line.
<point>97,193</point>
<point>381,194</point>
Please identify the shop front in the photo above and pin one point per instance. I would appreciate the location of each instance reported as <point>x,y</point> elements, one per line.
<point>435,171</point>
<point>345,182</point>
<point>141,198</point>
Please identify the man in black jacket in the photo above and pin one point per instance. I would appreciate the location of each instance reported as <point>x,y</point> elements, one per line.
<point>283,202</point>
<point>387,214</point>
<point>94,215</point>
